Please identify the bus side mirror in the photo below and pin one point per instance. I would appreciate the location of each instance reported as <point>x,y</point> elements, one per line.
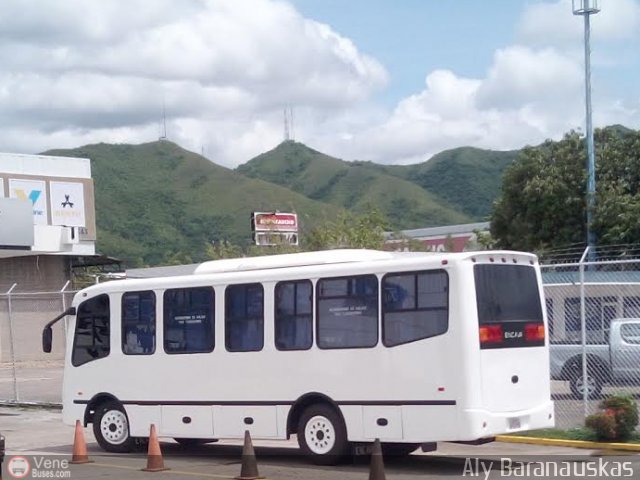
<point>47,333</point>
<point>47,337</point>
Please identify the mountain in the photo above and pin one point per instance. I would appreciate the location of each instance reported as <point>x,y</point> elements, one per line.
<point>158,203</point>
<point>467,178</point>
<point>356,186</point>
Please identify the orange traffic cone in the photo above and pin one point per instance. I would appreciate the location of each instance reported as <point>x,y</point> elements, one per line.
<point>249,470</point>
<point>154,454</point>
<point>376,470</point>
<point>80,454</point>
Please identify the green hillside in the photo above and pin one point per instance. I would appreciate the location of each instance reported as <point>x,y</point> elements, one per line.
<point>466,178</point>
<point>298,168</point>
<point>157,203</point>
<point>356,186</point>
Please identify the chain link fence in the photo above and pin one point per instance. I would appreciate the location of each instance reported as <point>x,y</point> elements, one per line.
<point>26,373</point>
<point>593,308</point>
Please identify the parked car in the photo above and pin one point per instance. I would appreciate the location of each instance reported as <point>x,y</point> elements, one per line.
<point>615,362</point>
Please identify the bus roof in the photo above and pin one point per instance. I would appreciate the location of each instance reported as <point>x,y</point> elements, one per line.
<point>326,257</point>
<point>304,259</point>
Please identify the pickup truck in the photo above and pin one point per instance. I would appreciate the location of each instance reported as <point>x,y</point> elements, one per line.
<point>616,362</point>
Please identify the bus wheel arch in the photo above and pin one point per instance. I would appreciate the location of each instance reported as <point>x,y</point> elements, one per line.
<point>111,425</point>
<point>302,403</point>
<point>321,429</point>
<point>94,403</point>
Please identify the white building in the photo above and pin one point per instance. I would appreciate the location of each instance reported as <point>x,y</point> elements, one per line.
<point>47,219</point>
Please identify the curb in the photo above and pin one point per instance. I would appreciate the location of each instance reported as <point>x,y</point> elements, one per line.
<point>557,442</point>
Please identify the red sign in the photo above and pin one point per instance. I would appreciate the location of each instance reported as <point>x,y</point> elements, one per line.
<point>274,222</point>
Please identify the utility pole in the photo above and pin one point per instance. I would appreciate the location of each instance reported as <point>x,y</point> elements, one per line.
<point>586,8</point>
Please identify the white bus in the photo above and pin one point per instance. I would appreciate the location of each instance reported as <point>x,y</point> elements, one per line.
<point>337,347</point>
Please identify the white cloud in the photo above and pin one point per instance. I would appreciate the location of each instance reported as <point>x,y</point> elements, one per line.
<point>528,95</point>
<point>521,75</point>
<point>76,72</point>
<point>532,90</point>
<point>73,66</point>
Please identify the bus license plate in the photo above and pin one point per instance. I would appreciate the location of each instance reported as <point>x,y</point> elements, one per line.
<point>514,423</point>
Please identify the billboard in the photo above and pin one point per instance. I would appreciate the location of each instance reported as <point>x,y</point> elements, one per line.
<point>34,192</point>
<point>274,228</point>
<point>67,204</point>
<point>274,222</point>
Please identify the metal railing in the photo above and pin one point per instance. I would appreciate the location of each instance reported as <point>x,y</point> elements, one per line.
<point>26,373</point>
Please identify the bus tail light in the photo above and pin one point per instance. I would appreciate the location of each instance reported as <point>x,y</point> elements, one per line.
<point>491,334</point>
<point>534,332</point>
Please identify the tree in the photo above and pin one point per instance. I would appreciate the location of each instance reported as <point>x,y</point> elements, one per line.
<point>543,199</point>
<point>348,231</point>
<point>222,249</point>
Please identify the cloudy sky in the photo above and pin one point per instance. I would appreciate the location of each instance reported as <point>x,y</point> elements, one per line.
<point>392,82</point>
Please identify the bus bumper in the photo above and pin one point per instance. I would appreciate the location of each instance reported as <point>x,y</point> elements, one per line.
<point>477,424</point>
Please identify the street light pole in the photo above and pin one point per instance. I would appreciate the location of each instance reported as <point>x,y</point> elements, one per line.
<point>586,8</point>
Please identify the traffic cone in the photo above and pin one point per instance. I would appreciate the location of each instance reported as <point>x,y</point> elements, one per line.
<point>249,470</point>
<point>154,454</point>
<point>80,454</point>
<point>376,470</point>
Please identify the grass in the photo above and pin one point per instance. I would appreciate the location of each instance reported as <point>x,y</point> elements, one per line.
<point>580,433</point>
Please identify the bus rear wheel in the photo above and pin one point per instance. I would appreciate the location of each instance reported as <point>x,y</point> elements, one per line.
<point>111,428</point>
<point>322,435</point>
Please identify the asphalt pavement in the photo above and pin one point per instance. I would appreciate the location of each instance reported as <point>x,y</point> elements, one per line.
<point>38,438</point>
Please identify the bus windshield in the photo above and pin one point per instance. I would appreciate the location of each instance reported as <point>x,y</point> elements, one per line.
<point>507,293</point>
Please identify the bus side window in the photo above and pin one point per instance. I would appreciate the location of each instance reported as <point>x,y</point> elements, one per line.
<point>138,323</point>
<point>244,317</point>
<point>347,312</point>
<point>293,320</point>
<point>415,306</point>
<point>189,320</point>
<point>91,338</point>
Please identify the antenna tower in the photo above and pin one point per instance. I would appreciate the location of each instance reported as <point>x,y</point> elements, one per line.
<point>164,122</point>
<point>293,131</point>
<point>287,135</point>
<point>289,132</point>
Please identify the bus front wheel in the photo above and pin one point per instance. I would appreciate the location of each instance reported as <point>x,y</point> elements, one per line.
<point>111,428</point>
<point>322,435</point>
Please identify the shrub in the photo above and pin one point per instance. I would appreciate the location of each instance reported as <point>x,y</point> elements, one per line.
<point>604,424</point>
<point>617,419</point>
